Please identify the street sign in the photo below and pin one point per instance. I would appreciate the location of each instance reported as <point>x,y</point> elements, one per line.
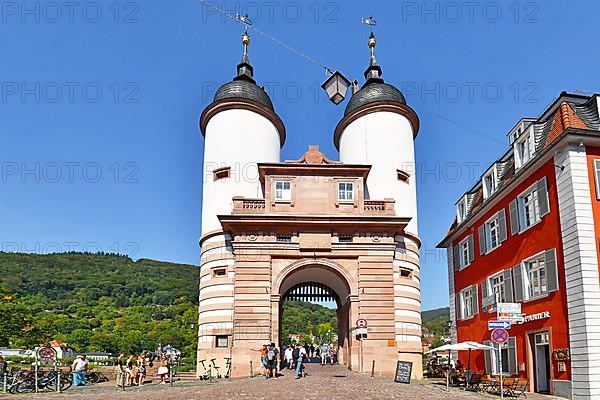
<point>361,323</point>
<point>46,352</point>
<point>500,336</point>
<point>498,325</point>
<point>361,331</point>
<point>508,311</point>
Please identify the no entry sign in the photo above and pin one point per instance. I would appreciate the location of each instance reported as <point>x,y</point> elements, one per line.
<point>500,336</point>
<point>361,323</point>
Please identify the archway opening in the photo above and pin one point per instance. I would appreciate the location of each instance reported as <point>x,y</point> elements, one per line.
<point>314,312</point>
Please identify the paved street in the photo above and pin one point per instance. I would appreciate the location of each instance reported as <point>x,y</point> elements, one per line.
<point>323,383</point>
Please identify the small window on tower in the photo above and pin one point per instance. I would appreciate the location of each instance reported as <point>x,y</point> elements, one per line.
<point>406,273</point>
<point>221,173</point>
<point>222,341</point>
<point>345,191</point>
<point>219,272</point>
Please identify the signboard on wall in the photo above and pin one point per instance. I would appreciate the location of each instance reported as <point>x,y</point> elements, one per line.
<point>509,311</point>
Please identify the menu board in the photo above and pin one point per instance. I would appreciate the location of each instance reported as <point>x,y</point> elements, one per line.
<point>403,371</point>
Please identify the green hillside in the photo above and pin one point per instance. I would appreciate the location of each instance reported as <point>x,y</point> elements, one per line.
<point>305,318</point>
<point>97,302</point>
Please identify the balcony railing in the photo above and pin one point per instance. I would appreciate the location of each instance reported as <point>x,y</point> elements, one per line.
<point>242,205</point>
<point>379,207</point>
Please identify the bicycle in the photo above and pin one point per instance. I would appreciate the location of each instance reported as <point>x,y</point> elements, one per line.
<point>95,377</point>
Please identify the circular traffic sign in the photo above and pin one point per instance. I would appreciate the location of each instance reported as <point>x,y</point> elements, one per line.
<point>500,335</point>
<point>46,352</point>
<point>361,323</point>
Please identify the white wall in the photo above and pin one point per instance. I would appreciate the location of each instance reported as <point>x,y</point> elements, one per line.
<point>385,141</point>
<point>238,139</point>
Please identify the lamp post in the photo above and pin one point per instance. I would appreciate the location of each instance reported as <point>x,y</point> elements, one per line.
<point>336,87</point>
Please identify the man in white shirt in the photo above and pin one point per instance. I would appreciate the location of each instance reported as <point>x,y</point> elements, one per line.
<point>79,367</point>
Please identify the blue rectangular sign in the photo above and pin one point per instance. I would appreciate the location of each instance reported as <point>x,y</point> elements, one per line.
<point>498,324</point>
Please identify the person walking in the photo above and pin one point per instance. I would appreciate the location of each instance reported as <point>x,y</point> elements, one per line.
<point>79,367</point>
<point>331,353</point>
<point>324,353</point>
<point>119,371</point>
<point>263,358</point>
<point>300,361</point>
<point>272,361</point>
<point>163,370</point>
<point>289,356</point>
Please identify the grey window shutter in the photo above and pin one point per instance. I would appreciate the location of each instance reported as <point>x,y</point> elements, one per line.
<point>542,189</point>
<point>514,217</point>
<point>484,294</point>
<point>513,368</point>
<point>455,258</point>
<point>475,299</point>
<point>502,225</point>
<point>551,272</point>
<point>488,358</point>
<point>471,248</point>
<point>518,283</point>
<point>508,286</point>
<point>482,245</point>
<point>458,308</point>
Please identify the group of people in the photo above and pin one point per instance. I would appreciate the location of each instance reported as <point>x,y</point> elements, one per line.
<point>132,370</point>
<point>293,357</point>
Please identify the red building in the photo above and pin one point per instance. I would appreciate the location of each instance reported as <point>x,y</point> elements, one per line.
<point>528,232</point>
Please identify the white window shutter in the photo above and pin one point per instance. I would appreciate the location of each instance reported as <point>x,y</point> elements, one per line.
<point>597,177</point>
<point>458,307</point>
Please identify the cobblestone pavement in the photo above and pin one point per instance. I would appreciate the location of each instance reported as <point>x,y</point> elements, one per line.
<point>322,383</point>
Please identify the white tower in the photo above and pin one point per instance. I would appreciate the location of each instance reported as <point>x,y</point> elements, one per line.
<point>241,129</point>
<point>378,129</point>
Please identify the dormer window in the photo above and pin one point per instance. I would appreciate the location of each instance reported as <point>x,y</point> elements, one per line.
<point>524,148</point>
<point>490,182</point>
<point>461,210</point>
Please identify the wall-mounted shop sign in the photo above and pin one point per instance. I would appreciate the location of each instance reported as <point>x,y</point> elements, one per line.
<point>535,317</point>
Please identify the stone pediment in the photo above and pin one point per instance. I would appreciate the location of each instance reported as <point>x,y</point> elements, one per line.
<point>313,157</point>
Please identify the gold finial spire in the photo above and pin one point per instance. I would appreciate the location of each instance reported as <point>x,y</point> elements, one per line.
<point>372,44</point>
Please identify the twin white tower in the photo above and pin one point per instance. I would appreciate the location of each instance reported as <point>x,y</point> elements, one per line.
<point>242,130</point>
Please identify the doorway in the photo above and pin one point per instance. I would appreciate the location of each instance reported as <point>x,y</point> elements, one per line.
<point>541,361</point>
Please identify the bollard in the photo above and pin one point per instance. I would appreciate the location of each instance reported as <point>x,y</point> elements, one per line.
<point>210,380</point>
<point>373,369</point>
<point>251,370</point>
<point>36,378</point>
<point>5,381</point>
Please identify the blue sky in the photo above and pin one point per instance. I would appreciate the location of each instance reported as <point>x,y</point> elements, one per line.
<point>100,102</point>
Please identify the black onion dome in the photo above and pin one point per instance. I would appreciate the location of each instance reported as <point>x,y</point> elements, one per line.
<point>245,89</point>
<point>374,92</point>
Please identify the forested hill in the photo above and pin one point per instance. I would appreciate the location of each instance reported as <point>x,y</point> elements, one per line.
<point>97,302</point>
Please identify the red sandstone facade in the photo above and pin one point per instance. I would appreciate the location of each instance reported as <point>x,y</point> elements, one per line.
<point>529,232</point>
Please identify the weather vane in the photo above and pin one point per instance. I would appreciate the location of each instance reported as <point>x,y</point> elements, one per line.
<point>369,21</point>
<point>244,19</point>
